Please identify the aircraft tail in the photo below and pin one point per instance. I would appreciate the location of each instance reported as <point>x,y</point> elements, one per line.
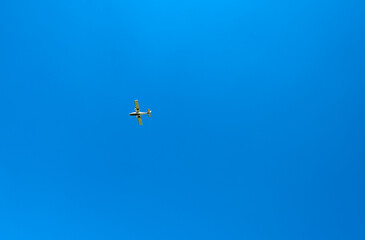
<point>149,112</point>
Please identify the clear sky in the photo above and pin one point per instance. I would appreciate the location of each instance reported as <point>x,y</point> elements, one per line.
<point>257,130</point>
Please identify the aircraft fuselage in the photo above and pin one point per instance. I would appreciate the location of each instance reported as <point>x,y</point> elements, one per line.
<point>137,113</point>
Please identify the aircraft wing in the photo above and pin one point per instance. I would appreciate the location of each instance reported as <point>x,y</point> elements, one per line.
<point>137,105</point>
<point>139,120</point>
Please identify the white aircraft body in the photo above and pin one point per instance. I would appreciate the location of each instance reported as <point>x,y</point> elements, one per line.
<point>138,114</point>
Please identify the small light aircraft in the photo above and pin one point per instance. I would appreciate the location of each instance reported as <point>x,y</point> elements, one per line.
<point>138,114</point>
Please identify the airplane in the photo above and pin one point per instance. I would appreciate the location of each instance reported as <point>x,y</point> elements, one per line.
<point>138,114</point>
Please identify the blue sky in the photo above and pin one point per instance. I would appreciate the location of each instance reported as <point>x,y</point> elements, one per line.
<point>257,130</point>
